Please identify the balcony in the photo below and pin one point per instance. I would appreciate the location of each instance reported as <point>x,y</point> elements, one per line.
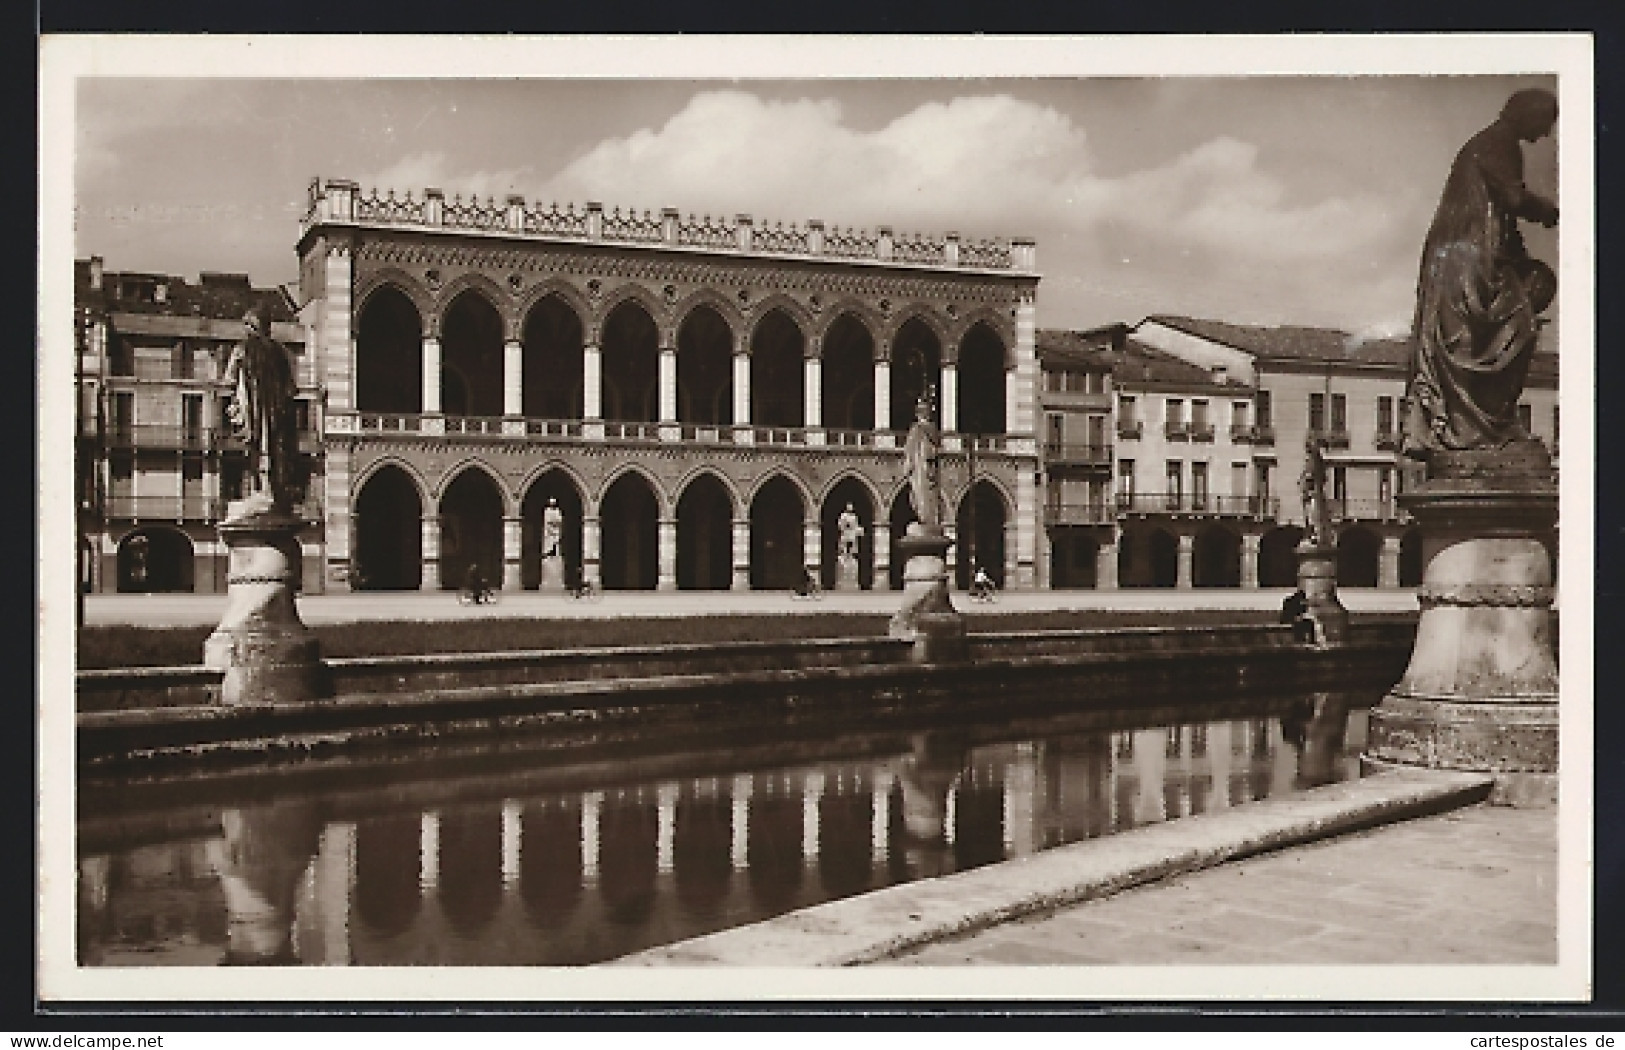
<point>1096,513</point>
<point>1064,454</point>
<point>1175,432</point>
<point>1331,438</point>
<point>1263,434</point>
<point>1201,431</point>
<point>1240,432</point>
<point>1387,441</point>
<point>186,508</point>
<point>189,438</point>
<point>1366,510</point>
<point>1148,503</point>
<point>1128,429</point>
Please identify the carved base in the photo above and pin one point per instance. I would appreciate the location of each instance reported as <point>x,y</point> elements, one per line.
<point>265,650</point>
<point>927,616</point>
<point>1480,691</point>
<point>846,574</point>
<point>552,575</point>
<point>1317,576</point>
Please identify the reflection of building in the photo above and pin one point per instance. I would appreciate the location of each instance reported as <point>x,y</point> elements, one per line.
<point>156,457</point>
<point>570,875</point>
<point>702,397</point>
<point>1210,421</point>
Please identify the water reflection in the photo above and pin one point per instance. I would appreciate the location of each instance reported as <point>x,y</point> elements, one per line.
<point>566,876</point>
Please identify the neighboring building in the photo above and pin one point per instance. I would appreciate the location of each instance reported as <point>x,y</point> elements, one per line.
<point>156,459</point>
<point>1075,398</point>
<point>701,397</point>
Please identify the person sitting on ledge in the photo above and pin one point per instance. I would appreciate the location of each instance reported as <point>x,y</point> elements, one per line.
<point>474,587</point>
<point>1295,611</point>
<point>808,586</point>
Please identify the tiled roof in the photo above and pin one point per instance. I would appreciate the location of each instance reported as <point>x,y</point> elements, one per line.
<point>1091,350</point>
<point>1293,342</point>
<point>1141,364</point>
<point>220,296</point>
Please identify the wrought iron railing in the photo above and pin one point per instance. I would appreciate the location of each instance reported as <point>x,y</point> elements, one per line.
<point>1092,513</point>
<point>1090,454</point>
<point>1195,503</point>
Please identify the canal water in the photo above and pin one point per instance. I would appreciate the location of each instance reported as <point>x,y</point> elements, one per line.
<point>562,864</point>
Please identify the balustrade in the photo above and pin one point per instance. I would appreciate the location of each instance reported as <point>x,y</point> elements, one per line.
<point>1094,455</point>
<point>1197,503</point>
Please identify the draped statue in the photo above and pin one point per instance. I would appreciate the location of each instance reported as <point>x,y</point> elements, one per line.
<point>921,450</point>
<point>261,409</point>
<point>1478,291</point>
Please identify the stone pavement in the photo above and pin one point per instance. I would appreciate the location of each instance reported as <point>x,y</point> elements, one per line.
<point>1474,885</point>
<point>176,609</point>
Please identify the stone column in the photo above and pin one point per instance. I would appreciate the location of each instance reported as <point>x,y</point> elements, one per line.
<point>592,388</point>
<point>592,804</point>
<point>428,853</point>
<point>1388,566</point>
<point>881,544</point>
<point>668,555</point>
<point>513,830</point>
<point>882,394</point>
<point>1187,551</point>
<point>1012,396</point>
<point>812,394</point>
<point>1021,403</point>
<point>335,346</point>
<point>949,400</point>
<point>431,553</point>
<point>1027,527</point>
<point>1106,565</point>
<point>812,549</point>
<point>741,386</point>
<point>668,384</point>
<point>513,533</point>
<point>812,789</point>
<point>741,554</point>
<point>591,545</point>
<point>665,826</point>
<point>739,844</point>
<point>431,375</point>
<point>1012,566</point>
<point>335,481</point>
<point>1249,559</point>
<point>880,818</point>
<point>513,378</point>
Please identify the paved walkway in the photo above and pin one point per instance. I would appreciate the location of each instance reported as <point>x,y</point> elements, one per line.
<point>172,609</point>
<point>1476,885</point>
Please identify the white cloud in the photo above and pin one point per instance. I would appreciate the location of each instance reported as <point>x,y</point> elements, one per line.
<point>1208,228</point>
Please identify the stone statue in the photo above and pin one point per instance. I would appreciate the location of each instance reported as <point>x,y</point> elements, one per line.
<point>1312,488</point>
<point>261,410</point>
<point>920,453</point>
<point>552,528</point>
<point>1479,291</point>
<point>851,531</point>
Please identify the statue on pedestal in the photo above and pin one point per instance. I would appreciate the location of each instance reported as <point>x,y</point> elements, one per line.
<point>1478,291</point>
<point>262,385</point>
<point>1312,489</point>
<point>921,451</point>
<point>850,531</point>
<point>552,580</point>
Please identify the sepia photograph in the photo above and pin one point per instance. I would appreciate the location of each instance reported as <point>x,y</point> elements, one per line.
<point>962,518</point>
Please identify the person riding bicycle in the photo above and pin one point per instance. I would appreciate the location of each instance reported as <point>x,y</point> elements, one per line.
<point>474,587</point>
<point>808,587</point>
<point>982,585</point>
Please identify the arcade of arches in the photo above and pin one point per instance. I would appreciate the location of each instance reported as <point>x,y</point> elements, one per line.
<point>701,422</point>
<point>1216,554</point>
<point>638,533</point>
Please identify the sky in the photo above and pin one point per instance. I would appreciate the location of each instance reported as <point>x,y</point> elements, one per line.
<point>1253,200</point>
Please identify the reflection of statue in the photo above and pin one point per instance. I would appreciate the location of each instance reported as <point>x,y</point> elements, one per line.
<point>920,452</point>
<point>1478,291</point>
<point>851,530</point>
<point>261,408</point>
<point>552,528</point>
<point>1312,488</point>
<point>1315,727</point>
<point>261,860</point>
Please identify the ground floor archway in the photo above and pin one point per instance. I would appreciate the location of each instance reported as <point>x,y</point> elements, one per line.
<point>630,518</point>
<point>470,531</point>
<point>1410,558</point>
<point>557,487</point>
<point>1278,558</point>
<point>1147,557</point>
<point>388,522</point>
<point>1073,557</point>
<point>1216,558</point>
<point>777,519</point>
<point>979,531</point>
<point>155,561</point>
<point>850,492</point>
<point>902,516</point>
<point>1358,554</point>
<point>705,536</point>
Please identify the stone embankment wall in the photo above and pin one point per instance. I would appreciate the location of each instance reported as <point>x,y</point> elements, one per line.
<point>170,713</point>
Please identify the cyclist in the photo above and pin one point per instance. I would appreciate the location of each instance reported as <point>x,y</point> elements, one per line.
<point>475,592</point>
<point>982,587</point>
<point>809,586</point>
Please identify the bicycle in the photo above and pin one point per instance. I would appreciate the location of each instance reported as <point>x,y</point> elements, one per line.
<point>983,590</point>
<point>585,591</point>
<point>482,597</point>
<point>809,589</point>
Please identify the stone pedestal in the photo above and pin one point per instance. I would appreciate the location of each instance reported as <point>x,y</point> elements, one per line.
<point>927,617</point>
<point>552,575</point>
<point>846,574</point>
<point>1480,692</point>
<point>1317,577</point>
<point>267,653</point>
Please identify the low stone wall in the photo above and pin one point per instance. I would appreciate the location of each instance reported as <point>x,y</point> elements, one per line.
<point>170,712</point>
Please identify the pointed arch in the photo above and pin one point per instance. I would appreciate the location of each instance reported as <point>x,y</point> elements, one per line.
<point>843,476</point>
<point>359,480</point>
<point>727,309</point>
<point>558,288</point>
<point>780,472</point>
<point>403,282</point>
<point>998,319</point>
<point>548,466</point>
<point>629,291</point>
<point>736,500</point>
<point>861,312</point>
<point>926,314</point>
<point>473,462</point>
<point>797,312</point>
<point>663,501</point>
<point>487,289</point>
